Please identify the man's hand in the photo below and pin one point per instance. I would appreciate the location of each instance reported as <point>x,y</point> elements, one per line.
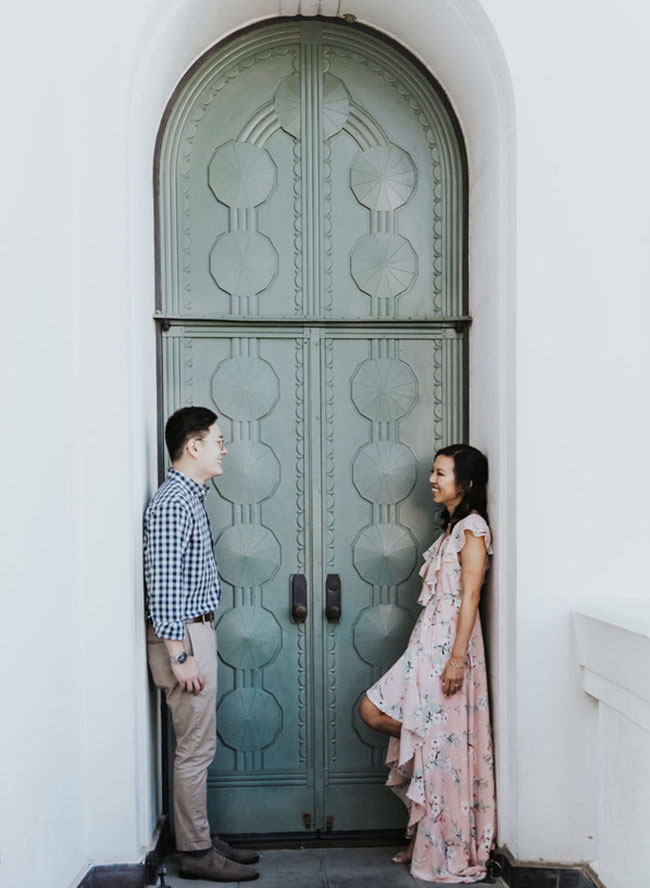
<point>188,675</point>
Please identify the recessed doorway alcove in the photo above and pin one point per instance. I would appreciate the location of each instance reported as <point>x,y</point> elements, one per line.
<point>463,55</point>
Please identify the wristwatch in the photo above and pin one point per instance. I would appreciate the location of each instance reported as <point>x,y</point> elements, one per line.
<point>180,658</point>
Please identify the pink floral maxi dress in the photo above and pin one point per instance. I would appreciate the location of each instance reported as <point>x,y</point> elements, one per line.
<point>442,765</point>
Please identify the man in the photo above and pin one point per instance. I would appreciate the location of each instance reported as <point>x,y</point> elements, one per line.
<point>182,594</point>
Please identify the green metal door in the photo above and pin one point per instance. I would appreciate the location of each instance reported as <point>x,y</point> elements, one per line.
<point>311,242</point>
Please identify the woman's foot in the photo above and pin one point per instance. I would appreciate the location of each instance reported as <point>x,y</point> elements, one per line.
<point>406,855</point>
<point>401,857</point>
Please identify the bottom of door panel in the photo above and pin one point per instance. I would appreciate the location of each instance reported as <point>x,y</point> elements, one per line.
<point>370,807</point>
<point>255,809</point>
<point>249,810</point>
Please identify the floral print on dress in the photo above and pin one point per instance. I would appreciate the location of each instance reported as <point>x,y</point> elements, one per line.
<point>442,765</point>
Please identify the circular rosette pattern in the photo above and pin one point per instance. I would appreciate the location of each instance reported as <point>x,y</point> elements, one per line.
<point>245,389</point>
<point>287,105</point>
<point>384,389</point>
<point>241,175</point>
<point>335,105</point>
<point>382,177</point>
<point>247,554</point>
<point>253,473</point>
<point>243,263</point>
<point>248,637</point>
<point>384,473</point>
<point>381,632</point>
<point>248,719</point>
<point>383,265</point>
<point>384,554</point>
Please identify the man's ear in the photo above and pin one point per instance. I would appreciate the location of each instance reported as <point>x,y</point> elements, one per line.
<point>192,448</point>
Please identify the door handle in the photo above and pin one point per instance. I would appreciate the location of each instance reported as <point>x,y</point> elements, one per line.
<point>298,598</point>
<point>333,598</point>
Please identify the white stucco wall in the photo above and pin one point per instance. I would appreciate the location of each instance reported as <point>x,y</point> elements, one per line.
<point>580,77</point>
<point>78,782</point>
<point>83,96</point>
<point>41,745</point>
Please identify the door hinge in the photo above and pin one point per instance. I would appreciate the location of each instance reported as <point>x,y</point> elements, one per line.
<point>306,819</point>
<point>329,823</point>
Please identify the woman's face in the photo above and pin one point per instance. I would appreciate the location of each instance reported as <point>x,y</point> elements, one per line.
<point>443,483</point>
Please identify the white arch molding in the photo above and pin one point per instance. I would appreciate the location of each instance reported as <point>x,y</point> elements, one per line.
<point>455,40</point>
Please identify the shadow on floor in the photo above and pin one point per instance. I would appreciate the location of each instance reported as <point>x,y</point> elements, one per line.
<point>321,868</point>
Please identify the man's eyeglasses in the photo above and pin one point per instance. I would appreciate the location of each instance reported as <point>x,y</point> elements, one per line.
<point>220,441</point>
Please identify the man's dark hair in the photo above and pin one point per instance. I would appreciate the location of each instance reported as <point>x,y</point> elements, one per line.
<point>186,423</point>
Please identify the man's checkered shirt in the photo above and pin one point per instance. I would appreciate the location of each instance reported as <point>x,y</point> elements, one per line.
<point>180,570</point>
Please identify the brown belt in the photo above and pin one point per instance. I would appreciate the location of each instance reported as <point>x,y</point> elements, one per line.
<point>202,618</point>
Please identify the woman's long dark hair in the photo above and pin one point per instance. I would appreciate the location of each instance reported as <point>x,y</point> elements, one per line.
<point>471,472</point>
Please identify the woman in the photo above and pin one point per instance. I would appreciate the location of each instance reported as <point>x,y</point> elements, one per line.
<point>433,702</point>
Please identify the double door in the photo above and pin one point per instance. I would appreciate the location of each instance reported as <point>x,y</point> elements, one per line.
<point>311,235</point>
<point>320,519</point>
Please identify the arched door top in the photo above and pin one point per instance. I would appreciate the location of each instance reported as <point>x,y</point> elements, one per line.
<point>309,170</point>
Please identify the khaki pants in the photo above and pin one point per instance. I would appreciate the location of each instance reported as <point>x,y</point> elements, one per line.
<point>195,727</point>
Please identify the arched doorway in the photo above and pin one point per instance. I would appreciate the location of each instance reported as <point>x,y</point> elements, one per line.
<point>312,240</point>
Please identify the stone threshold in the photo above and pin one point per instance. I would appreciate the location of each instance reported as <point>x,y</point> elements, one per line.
<point>514,873</point>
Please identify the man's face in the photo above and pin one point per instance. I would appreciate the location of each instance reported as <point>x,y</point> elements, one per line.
<point>210,451</point>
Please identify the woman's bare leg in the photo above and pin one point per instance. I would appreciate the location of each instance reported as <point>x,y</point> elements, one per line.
<point>375,718</point>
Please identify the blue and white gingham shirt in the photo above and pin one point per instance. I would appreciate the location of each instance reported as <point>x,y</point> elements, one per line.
<point>180,570</point>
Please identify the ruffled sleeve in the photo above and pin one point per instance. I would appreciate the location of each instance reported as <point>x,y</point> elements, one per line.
<point>429,570</point>
<point>479,528</point>
<point>448,549</point>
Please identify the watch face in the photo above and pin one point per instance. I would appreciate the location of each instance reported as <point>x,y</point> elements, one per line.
<point>181,658</point>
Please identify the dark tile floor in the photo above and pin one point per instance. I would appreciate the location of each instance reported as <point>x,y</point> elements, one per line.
<point>321,868</point>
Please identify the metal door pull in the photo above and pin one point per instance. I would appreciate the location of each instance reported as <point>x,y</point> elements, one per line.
<point>298,598</point>
<point>333,598</point>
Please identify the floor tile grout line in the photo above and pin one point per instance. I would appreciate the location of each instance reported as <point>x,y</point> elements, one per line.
<point>323,869</point>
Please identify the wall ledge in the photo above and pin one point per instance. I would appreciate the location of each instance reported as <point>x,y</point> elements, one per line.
<point>131,875</point>
<point>534,874</point>
<point>134,875</point>
<point>613,643</point>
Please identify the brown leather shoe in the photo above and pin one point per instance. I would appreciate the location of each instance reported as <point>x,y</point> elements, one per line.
<point>214,867</point>
<point>240,855</point>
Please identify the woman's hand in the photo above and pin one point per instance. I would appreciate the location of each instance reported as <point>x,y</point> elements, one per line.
<point>452,677</point>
